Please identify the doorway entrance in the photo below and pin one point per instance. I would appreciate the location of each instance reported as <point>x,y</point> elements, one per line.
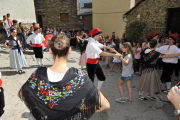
<point>174,20</point>
<point>39,20</point>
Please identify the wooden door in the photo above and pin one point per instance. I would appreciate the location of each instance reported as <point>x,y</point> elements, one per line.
<point>174,20</point>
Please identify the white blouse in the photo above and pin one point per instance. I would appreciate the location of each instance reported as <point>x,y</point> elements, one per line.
<point>93,49</point>
<point>35,39</point>
<point>54,77</point>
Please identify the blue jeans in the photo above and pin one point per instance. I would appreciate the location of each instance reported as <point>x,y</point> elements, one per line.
<point>23,39</point>
<point>130,77</point>
<point>7,33</point>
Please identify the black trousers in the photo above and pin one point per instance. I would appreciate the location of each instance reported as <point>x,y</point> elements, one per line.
<point>176,68</point>
<point>38,52</point>
<point>167,72</point>
<point>93,69</point>
<point>160,63</point>
<point>137,65</point>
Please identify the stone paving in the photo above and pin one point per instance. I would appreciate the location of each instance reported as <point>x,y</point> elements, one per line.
<point>161,109</point>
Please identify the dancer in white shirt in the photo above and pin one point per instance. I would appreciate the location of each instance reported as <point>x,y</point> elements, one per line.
<point>93,53</point>
<point>169,62</point>
<point>35,40</point>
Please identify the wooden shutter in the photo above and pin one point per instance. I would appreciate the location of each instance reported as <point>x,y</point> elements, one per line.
<point>64,16</point>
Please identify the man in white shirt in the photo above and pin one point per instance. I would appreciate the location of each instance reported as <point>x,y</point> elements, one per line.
<point>93,53</point>
<point>169,62</point>
<point>35,40</point>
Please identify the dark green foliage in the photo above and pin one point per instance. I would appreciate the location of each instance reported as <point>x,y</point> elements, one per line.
<point>134,31</point>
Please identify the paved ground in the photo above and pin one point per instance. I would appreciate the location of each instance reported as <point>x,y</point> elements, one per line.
<point>161,109</point>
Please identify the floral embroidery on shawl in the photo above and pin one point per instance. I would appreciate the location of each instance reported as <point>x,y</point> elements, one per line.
<point>150,55</point>
<point>51,95</point>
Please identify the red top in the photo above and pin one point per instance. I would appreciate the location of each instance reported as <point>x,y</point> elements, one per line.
<point>46,40</point>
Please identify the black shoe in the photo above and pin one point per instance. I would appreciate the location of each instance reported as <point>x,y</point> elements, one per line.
<point>21,71</point>
<point>166,91</point>
<point>153,98</point>
<point>141,98</point>
<point>41,65</point>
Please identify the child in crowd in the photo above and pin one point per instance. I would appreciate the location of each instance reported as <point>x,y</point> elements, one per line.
<point>137,57</point>
<point>127,72</point>
<point>116,60</point>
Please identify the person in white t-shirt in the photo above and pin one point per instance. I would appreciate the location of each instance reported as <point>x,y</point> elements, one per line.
<point>169,62</point>
<point>127,75</point>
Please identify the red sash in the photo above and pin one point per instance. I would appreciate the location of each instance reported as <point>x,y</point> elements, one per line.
<point>92,61</point>
<point>37,45</point>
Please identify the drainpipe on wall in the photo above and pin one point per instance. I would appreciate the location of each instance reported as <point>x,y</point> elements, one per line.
<point>124,20</point>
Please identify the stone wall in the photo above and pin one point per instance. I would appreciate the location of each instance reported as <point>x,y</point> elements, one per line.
<point>154,13</point>
<point>51,9</point>
<point>87,23</point>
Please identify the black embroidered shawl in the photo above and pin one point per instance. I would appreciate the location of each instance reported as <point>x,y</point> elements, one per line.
<point>2,104</point>
<point>151,58</point>
<point>83,45</point>
<point>18,46</point>
<point>61,100</point>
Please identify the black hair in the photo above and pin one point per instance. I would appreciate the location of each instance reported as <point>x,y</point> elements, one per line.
<point>176,32</point>
<point>125,40</point>
<point>8,14</point>
<point>19,23</point>
<point>160,38</point>
<point>34,23</point>
<point>31,27</point>
<point>84,36</point>
<point>11,30</point>
<point>14,21</point>
<point>140,44</point>
<point>153,43</point>
<point>149,39</point>
<point>4,16</point>
<point>60,46</point>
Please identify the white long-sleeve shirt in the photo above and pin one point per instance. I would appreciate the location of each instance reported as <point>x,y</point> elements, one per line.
<point>93,49</point>
<point>166,49</point>
<point>35,39</point>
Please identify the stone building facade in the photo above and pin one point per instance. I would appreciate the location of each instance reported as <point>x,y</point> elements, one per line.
<point>61,13</point>
<point>159,15</point>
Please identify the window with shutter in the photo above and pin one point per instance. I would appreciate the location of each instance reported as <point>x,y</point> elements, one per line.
<point>64,16</point>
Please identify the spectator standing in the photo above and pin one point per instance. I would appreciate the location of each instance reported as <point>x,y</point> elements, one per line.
<point>73,41</point>
<point>68,34</point>
<point>14,25</point>
<point>6,26</point>
<point>22,36</point>
<point>138,50</point>
<point>9,20</point>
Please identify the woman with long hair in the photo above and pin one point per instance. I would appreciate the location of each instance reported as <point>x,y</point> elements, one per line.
<point>127,59</point>
<point>83,43</point>
<point>17,59</point>
<point>59,92</point>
